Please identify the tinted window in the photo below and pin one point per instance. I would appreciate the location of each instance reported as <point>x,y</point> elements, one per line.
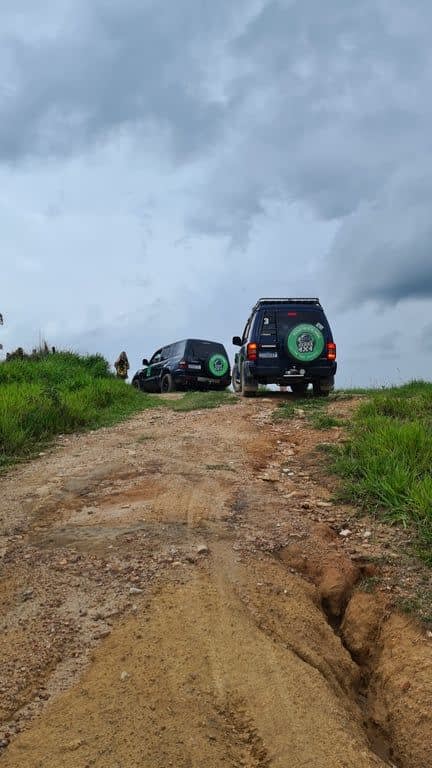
<point>157,357</point>
<point>177,349</point>
<point>246,331</point>
<point>276,324</point>
<point>202,350</point>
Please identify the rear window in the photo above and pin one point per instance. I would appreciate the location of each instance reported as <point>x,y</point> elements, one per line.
<point>177,349</point>
<point>202,350</point>
<point>276,324</point>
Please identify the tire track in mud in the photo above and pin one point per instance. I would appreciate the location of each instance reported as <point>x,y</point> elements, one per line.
<point>230,658</point>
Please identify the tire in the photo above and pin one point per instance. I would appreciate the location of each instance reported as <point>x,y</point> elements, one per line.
<point>305,342</point>
<point>218,366</point>
<point>322,387</point>
<point>299,389</point>
<point>247,390</point>
<point>235,384</point>
<point>136,384</point>
<point>167,384</point>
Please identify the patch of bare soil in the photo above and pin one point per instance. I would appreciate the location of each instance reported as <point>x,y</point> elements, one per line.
<point>176,591</point>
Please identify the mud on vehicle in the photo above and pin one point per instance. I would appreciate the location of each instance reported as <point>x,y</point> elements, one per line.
<point>192,364</point>
<point>286,342</point>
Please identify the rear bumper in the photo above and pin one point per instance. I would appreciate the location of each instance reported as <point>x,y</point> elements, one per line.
<point>271,374</point>
<point>200,380</point>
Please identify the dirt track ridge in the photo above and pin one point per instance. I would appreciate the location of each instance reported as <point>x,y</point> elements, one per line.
<point>175,591</point>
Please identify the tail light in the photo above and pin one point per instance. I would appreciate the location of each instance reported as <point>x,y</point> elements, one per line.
<point>331,351</point>
<point>252,351</point>
<point>183,364</point>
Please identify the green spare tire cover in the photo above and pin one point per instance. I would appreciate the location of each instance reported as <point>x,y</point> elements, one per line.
<point>218,365</point>
<point>305,342</point>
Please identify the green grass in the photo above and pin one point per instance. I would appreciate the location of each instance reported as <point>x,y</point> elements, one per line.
<point>324,421</point>
<point>314,409</point>
<point>192,401</point>
<point>368,583</point>
<point>418,605</point>
<point>48,395</point>
<point>387,462</point>
<point>45,395</point>
<point>309,404</point>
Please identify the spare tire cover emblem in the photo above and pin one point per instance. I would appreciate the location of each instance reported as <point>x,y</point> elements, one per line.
<point>305,342</point>
<point>218,365</point>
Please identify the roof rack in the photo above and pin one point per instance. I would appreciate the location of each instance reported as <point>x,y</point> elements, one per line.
<point>297,300</point>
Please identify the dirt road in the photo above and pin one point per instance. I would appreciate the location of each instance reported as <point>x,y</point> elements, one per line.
<point>175,591</point>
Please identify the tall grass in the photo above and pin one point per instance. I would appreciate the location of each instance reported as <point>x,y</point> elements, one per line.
<point>387,462</point>
<point>42,397</point>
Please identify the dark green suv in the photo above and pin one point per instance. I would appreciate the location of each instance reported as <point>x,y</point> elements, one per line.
<point>187,364</point>
<point>285,342</point>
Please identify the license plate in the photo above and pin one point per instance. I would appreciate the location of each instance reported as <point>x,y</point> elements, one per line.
<point>267,354</point>
<point>194,367</point>
<point>292,375</point>
<point>203,378</point>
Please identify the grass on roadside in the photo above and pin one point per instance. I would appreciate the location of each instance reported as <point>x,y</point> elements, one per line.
<point>44,396</point>
<point>313,408</point>
<point>309,405</point>
<point>387,462</point>
<point>325,421</point>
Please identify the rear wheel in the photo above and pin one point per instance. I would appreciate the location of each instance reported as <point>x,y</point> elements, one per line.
<point>322,387</point>
<point>167,384</point>
<point>136,384</point>
<point>247,390</point>
<point>236,384</point>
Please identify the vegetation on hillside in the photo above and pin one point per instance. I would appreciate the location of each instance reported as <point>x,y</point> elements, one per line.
<point>44,395</point>
<point>386,463</point>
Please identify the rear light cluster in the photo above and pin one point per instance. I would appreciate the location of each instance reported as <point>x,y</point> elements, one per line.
<point>331,351</point>
<point>252,351</point>
<point>183,364</point>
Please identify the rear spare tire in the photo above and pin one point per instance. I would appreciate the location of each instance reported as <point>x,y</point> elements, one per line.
<point>218,365</point>
<point>305,342</point>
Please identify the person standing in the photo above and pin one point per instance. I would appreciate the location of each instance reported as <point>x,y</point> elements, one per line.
<point>122,366</point>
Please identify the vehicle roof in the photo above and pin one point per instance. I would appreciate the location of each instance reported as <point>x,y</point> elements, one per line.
<point>265,303</point>
<point>200,341</point>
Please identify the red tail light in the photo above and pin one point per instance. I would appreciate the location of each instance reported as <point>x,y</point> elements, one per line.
<point>252,351</point>
<point>331,351</point>
<point>183,364</point>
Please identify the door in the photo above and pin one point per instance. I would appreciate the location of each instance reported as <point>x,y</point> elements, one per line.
<point>153,372</point>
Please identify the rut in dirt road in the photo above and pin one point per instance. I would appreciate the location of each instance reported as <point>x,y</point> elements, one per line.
<point>170,597</point>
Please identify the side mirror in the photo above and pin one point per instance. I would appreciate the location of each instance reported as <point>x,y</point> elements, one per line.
<point>145,361</point>
<point>237,341</point>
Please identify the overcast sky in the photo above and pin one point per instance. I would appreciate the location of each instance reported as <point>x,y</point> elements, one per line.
<point>164,164</point>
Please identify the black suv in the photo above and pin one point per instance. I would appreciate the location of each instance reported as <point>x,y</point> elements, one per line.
<point>285,342</point>
<point>188,364</point>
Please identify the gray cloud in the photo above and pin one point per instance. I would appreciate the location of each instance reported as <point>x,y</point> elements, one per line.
<point>221,124</point>
<point>337,114</point>
<point>109,67</point>
<point>424,339</point>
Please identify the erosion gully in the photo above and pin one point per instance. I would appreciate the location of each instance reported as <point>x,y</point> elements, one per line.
<point>175,590</point>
